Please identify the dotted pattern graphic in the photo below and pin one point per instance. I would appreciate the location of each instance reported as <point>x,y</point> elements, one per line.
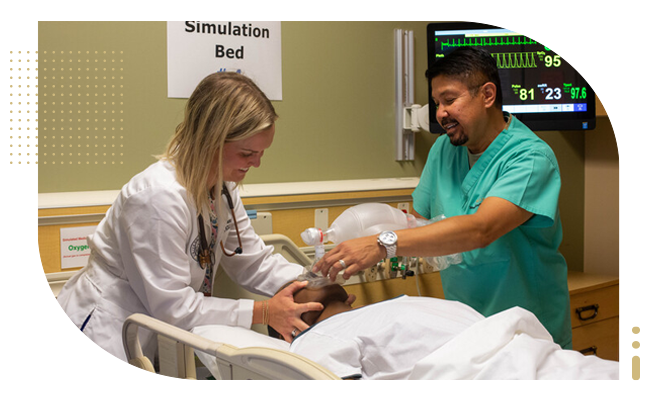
<point>23,107</point>
<point>82,104</point>
<point>636,360</point>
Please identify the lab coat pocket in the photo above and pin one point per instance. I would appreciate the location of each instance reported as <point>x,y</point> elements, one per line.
<point>97,351</point>
<point>72,356</point>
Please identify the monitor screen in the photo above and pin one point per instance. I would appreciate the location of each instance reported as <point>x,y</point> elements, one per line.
<point>539,87</point>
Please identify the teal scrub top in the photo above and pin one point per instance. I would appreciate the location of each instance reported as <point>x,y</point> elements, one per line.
<point>524,267</point>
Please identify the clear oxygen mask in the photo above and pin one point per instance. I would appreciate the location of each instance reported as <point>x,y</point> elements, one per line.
<point>315,281</point>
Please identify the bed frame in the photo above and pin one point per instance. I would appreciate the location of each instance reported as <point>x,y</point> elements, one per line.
<point>176,355</point>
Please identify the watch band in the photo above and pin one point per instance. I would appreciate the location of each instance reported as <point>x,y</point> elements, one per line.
<point>390,251</point>
<point>391,248</point>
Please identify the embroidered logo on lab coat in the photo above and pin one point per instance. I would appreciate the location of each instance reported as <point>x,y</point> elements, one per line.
<point>194,248</point>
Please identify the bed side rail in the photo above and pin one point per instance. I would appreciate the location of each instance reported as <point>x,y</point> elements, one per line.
<point>285,246</point>
<point>266,363</point>
<point>176,355</point>
<point>175,346</point>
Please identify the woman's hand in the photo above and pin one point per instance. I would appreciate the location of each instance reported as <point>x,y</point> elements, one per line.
<point>357,255</point>
<point>285,313</point>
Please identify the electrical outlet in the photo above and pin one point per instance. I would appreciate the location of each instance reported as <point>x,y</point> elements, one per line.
<point>404,207</point>
<point>370,274</point>
<point>321,220</point>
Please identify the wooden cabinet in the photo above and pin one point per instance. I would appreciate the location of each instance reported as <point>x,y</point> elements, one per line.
<point>594,314</point>
<point>607,37</point>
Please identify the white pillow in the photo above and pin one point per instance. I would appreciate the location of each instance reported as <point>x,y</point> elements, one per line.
<point>234,336</point>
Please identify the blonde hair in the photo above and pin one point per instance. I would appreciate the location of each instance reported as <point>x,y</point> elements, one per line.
<point>224,107</point>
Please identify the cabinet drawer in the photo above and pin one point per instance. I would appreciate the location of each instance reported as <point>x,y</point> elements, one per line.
<point>602,336</point>
<point>593,306</point>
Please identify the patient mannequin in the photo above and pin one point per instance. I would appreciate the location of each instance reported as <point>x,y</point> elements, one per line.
<point>394,339</point>
<point>332,297</point>
<point>378,341</point>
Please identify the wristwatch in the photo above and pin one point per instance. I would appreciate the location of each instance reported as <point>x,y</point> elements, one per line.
<point>388,239</point>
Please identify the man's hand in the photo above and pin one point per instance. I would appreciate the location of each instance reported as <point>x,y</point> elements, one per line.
<point>356,254</point>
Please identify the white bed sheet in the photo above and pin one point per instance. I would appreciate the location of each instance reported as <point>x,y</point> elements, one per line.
<point>382,341</point>
<point>512,344</point>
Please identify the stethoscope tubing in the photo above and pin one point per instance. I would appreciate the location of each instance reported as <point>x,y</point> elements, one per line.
<point>205,252</point>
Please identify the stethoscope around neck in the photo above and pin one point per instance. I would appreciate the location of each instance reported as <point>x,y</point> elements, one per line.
<point>205,251</point>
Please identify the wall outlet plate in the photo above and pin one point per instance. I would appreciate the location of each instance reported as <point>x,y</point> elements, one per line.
<point>321,219</point>
<point>263,224</point>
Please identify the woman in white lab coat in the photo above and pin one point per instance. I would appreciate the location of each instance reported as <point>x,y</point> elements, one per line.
<point>155,253</point>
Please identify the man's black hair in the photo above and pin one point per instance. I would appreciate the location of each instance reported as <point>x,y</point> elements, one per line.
<point>471,65</point>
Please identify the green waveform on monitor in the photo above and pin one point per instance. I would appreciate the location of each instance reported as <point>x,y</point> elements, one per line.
<point>515,60</point>
<point>488,41</point>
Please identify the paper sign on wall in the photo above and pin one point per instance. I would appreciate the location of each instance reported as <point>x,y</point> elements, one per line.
<point>195,49</point>
<point>74,246</point>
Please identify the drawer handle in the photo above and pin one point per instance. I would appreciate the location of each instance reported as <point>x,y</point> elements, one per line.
<point>580,310</point>
<point>588,350</point>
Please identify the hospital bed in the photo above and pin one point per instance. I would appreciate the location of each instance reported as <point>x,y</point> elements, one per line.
<point>486,350</point>
<point>504,346</point>
<point>176,349</point>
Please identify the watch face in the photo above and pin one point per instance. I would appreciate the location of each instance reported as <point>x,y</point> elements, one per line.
<point>388,238</point>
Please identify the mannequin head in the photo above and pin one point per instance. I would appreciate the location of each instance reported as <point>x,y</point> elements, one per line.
<point>332,297</point>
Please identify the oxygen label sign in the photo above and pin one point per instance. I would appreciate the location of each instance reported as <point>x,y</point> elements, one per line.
<point>74,246</point>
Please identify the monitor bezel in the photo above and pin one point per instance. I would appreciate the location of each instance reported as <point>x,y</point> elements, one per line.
<point>549,121</point>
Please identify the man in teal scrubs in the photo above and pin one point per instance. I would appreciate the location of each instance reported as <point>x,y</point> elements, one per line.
<point>498,185</point>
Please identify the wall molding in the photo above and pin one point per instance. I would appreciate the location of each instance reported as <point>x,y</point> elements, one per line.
<point>262,190</point>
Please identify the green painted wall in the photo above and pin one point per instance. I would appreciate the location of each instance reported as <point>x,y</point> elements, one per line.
<point>104,109</point>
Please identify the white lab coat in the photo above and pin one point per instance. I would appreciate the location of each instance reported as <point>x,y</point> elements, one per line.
<point>144,260</point>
